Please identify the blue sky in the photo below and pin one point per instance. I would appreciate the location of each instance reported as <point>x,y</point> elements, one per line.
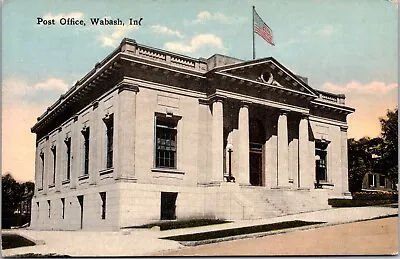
<point>345,46</point>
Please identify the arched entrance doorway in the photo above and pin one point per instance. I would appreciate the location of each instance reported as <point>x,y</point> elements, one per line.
<point>257,140</point>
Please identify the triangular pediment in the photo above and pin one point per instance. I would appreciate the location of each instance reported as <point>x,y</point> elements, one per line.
<point>270,72</point>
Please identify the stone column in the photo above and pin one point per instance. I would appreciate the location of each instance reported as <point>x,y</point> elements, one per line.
<point>243,173</point>
<point>125,124</point>
<point>344,158</point>
<point>283,150</point>
<point>305,172</point>
<point>59,159</point>
<point>217,140</point>
<point>94,144</point>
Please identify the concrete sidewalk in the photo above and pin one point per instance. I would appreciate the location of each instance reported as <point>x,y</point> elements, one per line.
<point>138,242</point>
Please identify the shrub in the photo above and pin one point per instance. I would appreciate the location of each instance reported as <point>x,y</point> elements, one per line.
<point>357,203</point>
<point>376,195</point>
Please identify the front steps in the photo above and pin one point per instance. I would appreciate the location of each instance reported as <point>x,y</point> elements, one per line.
<point>257,202</point>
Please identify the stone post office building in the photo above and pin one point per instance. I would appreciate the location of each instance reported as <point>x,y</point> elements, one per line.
<point>151,135</point>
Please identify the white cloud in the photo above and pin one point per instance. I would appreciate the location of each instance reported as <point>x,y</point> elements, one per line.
<point>22,103</point>
<point>306,30</point>
<point>165,30</point>
<point>206,16</point>
<point>57,17</point>
<point>327,30</point>
<point>52,84</point>
<point>15,89</point>
<point>374,88</point>
<point>370,101</point>
<point>395,2</point>
<point>114,37</point>
<point>196,43</point>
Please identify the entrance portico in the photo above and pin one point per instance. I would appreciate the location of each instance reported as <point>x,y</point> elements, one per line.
<point>264,161</point>
<point>272,145</point>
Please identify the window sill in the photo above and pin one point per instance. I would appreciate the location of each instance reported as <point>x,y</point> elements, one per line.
<point>323,185</point>
<point>65,182</point>
<point>40,189</point>
<point>83,177</point>
<point>106,171</point>
<point>167,170</point>
<point>51,185</point>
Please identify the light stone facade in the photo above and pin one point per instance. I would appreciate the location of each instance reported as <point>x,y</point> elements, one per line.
<point>165,154</point>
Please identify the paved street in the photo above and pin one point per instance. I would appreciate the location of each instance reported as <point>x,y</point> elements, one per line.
<point>337,239</point>
<point>360,238</point>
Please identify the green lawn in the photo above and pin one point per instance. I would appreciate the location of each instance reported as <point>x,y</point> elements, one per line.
<point>13,240</point>
<point>241,231</point>
<point>166,225</point>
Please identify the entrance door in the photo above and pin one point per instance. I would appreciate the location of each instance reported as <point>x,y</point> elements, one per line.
<point>80,199</point>
<point>255,164</point>
<point>168,205</point>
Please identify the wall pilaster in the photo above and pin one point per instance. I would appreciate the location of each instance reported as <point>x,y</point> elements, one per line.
<point>125,122</point>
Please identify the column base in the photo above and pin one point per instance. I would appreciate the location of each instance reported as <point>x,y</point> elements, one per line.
<point>347,195</point>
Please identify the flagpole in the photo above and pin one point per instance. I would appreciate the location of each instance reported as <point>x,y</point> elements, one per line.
<point>254,47</point>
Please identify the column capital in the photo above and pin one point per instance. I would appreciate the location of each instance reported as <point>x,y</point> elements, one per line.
<point>95,104</point>
<point>305,115</point>
<point>217,98</point>
<point>122,86</point>
<point>244,103</point>
<point>283,111</point>
<point>203,101</point>
<point>344,128</point>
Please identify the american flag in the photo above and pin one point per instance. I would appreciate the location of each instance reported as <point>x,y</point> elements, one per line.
<point>262,29</point>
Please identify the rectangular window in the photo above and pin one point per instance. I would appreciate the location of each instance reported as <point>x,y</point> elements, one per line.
<point>49,206</point>
<point>86,134</point>
<point>321,161</point>
<point>54,151</point>
<point>38,210</point>
<point>110,140</point>
<point>68,147</point>
<point>62,208</point>
<point>103,197</point>
<point>165,139</point>
<point>42,167</point>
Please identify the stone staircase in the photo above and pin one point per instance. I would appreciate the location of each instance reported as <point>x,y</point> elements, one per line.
<point>259,202</point>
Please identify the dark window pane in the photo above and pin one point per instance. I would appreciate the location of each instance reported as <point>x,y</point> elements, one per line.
<point>68,147</point>
<point>110,141</point>
<point>165,142</point>
<point>321,161</point>
<point>86,151</point>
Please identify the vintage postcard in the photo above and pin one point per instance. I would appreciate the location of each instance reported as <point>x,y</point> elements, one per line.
<point>170,128</point>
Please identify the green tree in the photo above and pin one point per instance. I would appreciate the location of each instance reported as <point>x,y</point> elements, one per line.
<point>11,195</point>
<point>360,161</point>
<point>375,154</point>
<point>389,154</point>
